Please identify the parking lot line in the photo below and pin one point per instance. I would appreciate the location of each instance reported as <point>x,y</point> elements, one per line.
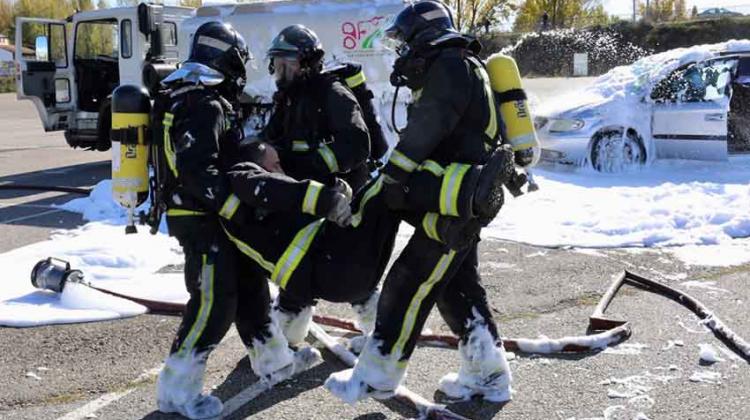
<point>31,216</point>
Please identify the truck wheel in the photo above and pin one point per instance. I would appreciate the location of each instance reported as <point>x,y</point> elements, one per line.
<point>613,151</point>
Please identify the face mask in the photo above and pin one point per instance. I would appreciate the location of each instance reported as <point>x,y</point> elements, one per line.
<point>284,70</point>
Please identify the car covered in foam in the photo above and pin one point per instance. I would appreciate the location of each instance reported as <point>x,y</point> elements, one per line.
<point>688,103</point>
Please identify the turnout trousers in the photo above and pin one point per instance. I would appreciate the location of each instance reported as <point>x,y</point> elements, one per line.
<point>224,287</point>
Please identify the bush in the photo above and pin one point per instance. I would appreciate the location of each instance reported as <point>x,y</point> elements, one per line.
<point>7,84</point>
<point>551,53</point>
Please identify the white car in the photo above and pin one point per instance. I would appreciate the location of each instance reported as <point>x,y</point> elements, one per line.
<point>689,103</point>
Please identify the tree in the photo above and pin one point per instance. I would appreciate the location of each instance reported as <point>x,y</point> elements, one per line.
<point>562,14</point>
<point>664,10</point>
<point>694,12</point>
<point>470,15</point>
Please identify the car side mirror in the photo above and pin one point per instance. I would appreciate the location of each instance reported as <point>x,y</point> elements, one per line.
<point>41,48</point>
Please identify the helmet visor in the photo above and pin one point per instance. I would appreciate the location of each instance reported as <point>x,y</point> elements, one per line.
<point>285,69</point>
<point>191,72</point>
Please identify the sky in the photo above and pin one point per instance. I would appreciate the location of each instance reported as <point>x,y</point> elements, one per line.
<point>624,8</point>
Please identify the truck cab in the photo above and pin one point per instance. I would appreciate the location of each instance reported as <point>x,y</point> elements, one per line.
<point>69,68</point>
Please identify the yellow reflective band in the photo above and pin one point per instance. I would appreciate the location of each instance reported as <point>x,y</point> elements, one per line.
<point>230,207</point>
<point>300,146</point>
<point>451,187</point>
<point>491,130</point>
<point>410,318</point>
<point>184,212</point>
<point>429,224</point>
<point>294,253</point>
<point>329,158</point>
<point>169,153</point>
<point>356,80</point>
<point>309,204</point>
<point>432,166</point>
<point>204,311</point>
<point>250,252</point>
<point>371,192</point>
<point>402,161</point>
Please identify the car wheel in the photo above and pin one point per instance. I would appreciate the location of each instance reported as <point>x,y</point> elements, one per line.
<point>613,151</point>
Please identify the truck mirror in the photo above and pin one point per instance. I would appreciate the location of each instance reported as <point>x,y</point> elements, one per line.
<point>41,48</point>
<point>146,23</point>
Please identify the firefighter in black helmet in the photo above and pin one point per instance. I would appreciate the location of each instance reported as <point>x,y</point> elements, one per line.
<point>201,138</point>
<point>319,130</point>
<point>452,118</point>
<point>317,125</point>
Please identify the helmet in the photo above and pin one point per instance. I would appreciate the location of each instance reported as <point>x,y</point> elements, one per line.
<point>217,58</point>
<point>300,42</point>
<point>418,17</point>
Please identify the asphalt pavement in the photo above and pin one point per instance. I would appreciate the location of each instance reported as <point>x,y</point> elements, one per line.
<point>107,370</point>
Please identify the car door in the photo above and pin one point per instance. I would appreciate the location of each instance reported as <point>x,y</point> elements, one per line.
<point>43,73</point>
<point>690,111</point>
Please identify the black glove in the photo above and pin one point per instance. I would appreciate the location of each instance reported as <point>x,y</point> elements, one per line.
<point>524,157</point>
<point>335,205</point>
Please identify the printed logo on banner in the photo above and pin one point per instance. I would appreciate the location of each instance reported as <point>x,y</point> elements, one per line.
<point>359,37</point>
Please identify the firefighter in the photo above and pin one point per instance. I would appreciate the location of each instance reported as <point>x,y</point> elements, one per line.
<point>320,132</point>
<point>201,134</point>
<point>310,259</point>
<point>452,118</point>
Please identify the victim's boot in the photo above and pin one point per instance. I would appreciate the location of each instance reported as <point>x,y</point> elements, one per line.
<point>294,324</point>
<point>180,385</point>
<point>366,313</point>
<point>484,367</point>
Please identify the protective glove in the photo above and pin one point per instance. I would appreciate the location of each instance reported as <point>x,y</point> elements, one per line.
<point>340,210</point>
<point>524,157</point>
<point>343,187</point>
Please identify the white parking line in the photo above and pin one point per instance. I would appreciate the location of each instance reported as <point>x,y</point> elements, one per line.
<point>31,216</point>
<point>89,409</point>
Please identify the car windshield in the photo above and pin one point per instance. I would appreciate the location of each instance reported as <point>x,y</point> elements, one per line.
<point>699,82</point>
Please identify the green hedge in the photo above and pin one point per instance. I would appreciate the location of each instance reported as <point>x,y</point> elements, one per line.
<point>551,53</point>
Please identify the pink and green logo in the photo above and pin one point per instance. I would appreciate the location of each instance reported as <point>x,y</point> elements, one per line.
<point>362,35</point>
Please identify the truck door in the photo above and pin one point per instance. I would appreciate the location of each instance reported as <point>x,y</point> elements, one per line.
<point>42,70</point>
<point>691,110</point>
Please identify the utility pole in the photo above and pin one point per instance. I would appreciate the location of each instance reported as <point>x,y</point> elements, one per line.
<point>634,2</point>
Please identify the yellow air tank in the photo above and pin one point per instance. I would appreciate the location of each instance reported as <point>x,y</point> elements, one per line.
<point>131,107</point>
<point>505,80</point>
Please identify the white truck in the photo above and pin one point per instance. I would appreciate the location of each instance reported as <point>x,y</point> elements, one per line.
<point>69,68</point>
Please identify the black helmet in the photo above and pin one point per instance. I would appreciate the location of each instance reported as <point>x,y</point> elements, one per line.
<point>417,17</point>
<point>298,41</point>
<point>221,47</point>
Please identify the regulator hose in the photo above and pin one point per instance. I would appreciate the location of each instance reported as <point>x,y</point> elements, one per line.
<point>393,112</point>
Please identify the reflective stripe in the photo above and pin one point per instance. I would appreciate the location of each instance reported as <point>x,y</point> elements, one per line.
<point>230,207</point>
<point>169,153</point>
<point>294,253</point>
<point>356,80</point>
<point>432,166</point>
<point>402,161</point>
<point>429,224</point>
<point>204,311</point>
<point>300,146</point>
<point>250,252</point>
<point>184,212</point>
<point>491,130</point>
<point>330,159</point>
<point>410,317</point>
<point>451,187</point>
<point>371,192</point>
<point>309,204</point>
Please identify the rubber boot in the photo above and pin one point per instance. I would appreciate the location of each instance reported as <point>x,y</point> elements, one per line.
<point>294,326</point>
<point>484,367</point>
<point>375,375</point>
<point>366,313</point>
<point>180,385</point>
